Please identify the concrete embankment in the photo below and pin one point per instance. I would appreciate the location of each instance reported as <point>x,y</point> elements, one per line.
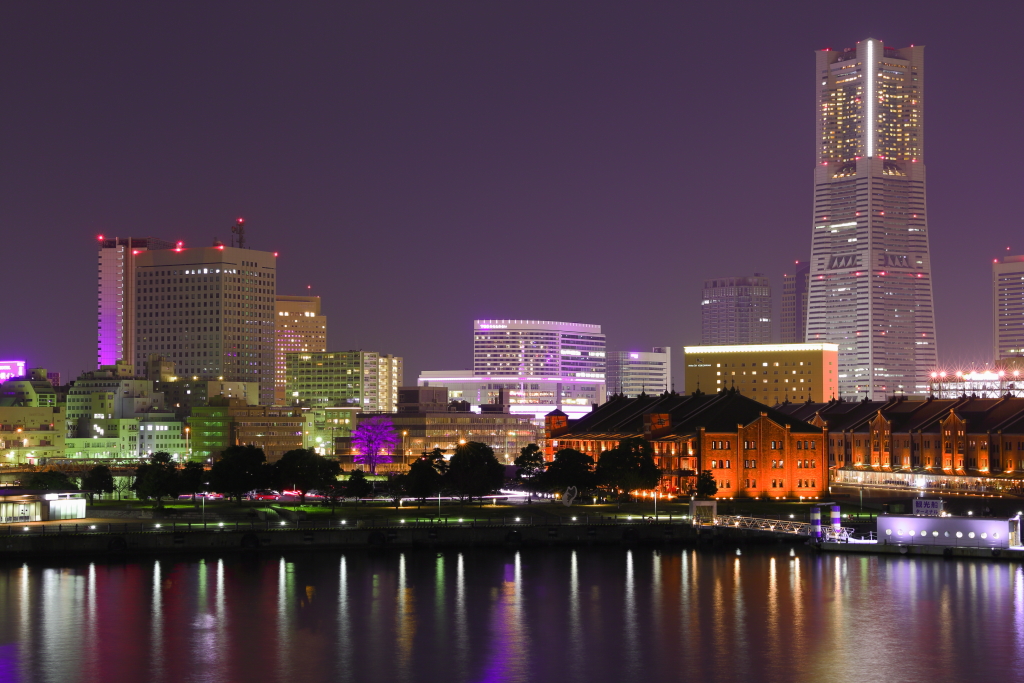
<point>18,545</point>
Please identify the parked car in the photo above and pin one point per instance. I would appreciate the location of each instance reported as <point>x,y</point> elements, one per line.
<point>265,495</point>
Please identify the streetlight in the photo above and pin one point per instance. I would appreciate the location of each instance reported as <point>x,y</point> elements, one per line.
<point>405,451</point>
<point>205,484</point>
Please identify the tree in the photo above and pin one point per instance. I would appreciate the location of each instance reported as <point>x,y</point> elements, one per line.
<point>357,486</point>
<point>157,478</point>
<point>395,488</point>
<point>474,471</point>
<point>706,486</point>
<point>239,470</point>
<point>374,440</point>
<point>304,470</point>
<point>570,468</point>
<point>98,480</point>
<point>423,480</point>
<point>50,481</point>
<point>437,460</point>
<point>628,466</point>
<point>192,478</point>
<point>531,464</point>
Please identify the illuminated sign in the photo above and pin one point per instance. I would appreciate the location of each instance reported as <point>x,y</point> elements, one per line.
<point>11,368</point>
<point>493,327</point>
<point>634,355</point>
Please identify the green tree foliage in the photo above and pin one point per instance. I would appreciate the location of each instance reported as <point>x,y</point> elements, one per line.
<point>239,470</point>
<point>570,468</point>
<point>98,480</point>
<point>706,486</point>
<point>304,470</point>
<point>157,478</point>
<point>192,478</point>
<point>356,486</point>
<point>628,466</point>
<point>50,481</point>
<point>423,480</point>
<point>474,471</point>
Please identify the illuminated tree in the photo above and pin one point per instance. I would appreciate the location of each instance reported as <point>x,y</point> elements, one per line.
<point>374,440</point>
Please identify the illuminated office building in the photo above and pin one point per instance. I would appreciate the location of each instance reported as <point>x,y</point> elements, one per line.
<point>870,285</point>
<point>300,329</point>
<point>631,373</point>
<point>1008,307</point>
<point>359,379</point>
<point>116,293</point>
<point>736,310</point>
<point>211,311</point>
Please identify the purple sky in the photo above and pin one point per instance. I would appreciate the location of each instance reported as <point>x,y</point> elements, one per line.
<point>421,164</point>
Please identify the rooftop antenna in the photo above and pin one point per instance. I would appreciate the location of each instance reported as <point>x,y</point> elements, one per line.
<point>238,229</point>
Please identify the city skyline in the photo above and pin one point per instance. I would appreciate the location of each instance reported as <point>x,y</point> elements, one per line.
<point>178,190</point>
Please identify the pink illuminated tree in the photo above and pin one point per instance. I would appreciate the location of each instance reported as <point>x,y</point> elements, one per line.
<point>374,440</point>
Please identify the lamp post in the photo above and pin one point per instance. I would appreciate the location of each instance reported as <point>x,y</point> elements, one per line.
<point>205,484</point>
<point>405,451</point>
<point>188,442</point>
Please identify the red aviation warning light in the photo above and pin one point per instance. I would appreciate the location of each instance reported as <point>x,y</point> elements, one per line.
<point>99,237</point>
<point>179,246</point>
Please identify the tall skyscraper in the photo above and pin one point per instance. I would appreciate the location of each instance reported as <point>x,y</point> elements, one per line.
<point>793,313</point>
<point>211,311</point>
<point>736,310</point>
<point>300,329</point>
<point>1008,307</point>
<point>116,310</point>
<point>871,285</point>
<point>633,372</point>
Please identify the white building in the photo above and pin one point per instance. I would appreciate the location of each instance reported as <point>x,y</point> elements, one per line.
<point>1008,307</point>
<point>633,372</point>
<point>870,285</point>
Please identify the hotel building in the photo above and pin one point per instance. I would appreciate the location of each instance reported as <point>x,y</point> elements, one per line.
<point>631,373</point>
<point>770,373</point>
<point>541,365</point>
<point>210,310</point>
<point>117,296</point>
<point>870,284</point>
<point>736,310</point>
<point>300,329</point>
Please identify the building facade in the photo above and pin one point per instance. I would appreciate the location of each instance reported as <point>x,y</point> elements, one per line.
<point>116,323</point>
<point>31,435</point>
<point>793,312</point>
<point>631,373</point>
<point>211,310</point>
<point>1008,307</point>
<point>361,379</point>
<point>961,445</point>
<point>770,373</point>
<point>752,451</point>
<point>111,392</point>
<point>527,396</point>
<point>301,328</point>
<point>870,285</point>
<point>233,422</point>
<point>736,310</point>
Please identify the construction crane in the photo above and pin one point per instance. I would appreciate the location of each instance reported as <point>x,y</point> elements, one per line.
<point>238,229</point>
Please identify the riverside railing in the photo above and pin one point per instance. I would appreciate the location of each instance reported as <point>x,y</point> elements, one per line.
<point>782,526</point>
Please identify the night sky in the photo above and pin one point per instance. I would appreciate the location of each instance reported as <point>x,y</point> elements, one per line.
<point>423,164</point>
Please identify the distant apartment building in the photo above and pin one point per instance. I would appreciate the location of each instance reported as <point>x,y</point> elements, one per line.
<point>793,312</point>
<point>210,310</point>
<point>1008,307</point>
<point>232,422</point>
<point>736,310</point>
<point>117,296</point>
<point>364,379</point>
<point>769,373</point>
<point>301,328</point>
<point>111,392</point>
<point>31,434</point>
<point>30,391</point>
<point>631,373</point>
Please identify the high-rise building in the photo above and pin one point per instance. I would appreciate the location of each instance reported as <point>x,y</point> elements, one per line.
<point>736,310</point>
<point>361,379</point>
<point>211,311</point>
<point>300,329</point>
<point>116,293</point>
<point>1008,307</point>
<point>793,313</point>
<point>871,285</point>
<point>631,373</point>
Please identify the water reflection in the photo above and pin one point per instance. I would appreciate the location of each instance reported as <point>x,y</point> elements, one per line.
<point>586,614</point>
